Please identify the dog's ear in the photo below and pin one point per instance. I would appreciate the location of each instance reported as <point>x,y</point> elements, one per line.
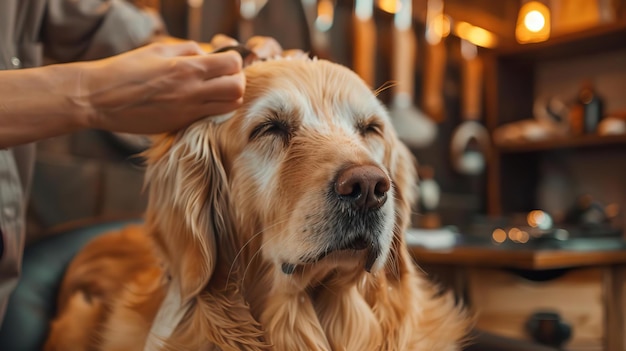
<point>187,210</point>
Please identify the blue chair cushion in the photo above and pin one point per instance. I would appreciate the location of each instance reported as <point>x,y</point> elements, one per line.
<point>33,303</point>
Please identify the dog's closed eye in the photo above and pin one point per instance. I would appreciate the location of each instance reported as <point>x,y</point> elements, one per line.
<point>370,127</point>
<point>273,127</point>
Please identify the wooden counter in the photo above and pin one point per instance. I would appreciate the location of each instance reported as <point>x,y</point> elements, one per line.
<point>495,257</point>
<point>589,291</point>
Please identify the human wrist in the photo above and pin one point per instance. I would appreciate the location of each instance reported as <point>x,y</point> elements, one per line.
<point>70,81</point>
<point>80,94</point>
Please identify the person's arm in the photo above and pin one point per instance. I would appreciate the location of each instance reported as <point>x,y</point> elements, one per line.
<point>154,89</point>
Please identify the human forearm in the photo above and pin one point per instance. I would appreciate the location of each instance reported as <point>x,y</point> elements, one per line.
<point>154,89</point>
<point>40,103</point>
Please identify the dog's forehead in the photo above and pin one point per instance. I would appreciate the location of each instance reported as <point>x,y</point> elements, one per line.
<point>316,93</point>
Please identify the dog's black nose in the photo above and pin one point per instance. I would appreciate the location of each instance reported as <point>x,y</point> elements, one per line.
<point>364,186</point>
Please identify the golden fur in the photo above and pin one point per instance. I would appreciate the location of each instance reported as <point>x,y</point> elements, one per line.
<point>233,198</point>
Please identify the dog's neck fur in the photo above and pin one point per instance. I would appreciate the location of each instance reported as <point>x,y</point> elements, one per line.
<point>334,314</point>
<point>330,316</point>
<point>323,308</point>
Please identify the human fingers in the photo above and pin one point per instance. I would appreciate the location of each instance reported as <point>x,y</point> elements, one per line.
<point>216,65</point>
<point>264,47</point>
<point>220,40</point>
<point>223,88</point>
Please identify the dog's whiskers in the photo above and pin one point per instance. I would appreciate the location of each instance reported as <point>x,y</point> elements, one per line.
<point>260,249</point>
<point>387,85</point>
<point>240,251</point>
<point>395,269</point>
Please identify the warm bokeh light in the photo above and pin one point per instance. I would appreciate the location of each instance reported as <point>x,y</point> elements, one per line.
<point>515,234</point>
<point>533,23</point>
<point>475,35</point>
<point>390,6</point>
<point>539,219</point>
<point>498,236</point>
<point>523,237</point>
<point>534,217</point>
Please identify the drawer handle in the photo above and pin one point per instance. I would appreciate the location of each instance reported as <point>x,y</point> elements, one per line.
<point>547,328</point>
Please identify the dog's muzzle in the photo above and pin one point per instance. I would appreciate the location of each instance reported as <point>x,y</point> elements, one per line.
<point>354,220</point>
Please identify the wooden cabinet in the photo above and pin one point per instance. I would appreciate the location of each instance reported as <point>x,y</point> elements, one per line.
<point>503,288</point>
<point>515,76</point>
<point>504,303</point>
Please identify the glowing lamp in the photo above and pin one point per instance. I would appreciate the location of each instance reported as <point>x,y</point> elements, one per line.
<point>533,23</point>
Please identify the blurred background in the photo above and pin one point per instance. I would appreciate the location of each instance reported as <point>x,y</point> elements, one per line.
<point>540,84</point>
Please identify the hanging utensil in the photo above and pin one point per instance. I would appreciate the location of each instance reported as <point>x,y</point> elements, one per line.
<point>365,41</point>
<point>414,128</point>
<point>470,141</point>
<point>248,10</point>
<point>310,12</point>
<point>437,27</point>
<point>320,17</point>
<point>324,21</point>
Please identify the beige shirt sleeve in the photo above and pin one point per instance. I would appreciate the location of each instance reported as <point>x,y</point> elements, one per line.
<point>91,29</point>
<point>12,209</point>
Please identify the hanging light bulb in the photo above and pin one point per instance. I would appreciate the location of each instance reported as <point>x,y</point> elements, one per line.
<point>533,23</point>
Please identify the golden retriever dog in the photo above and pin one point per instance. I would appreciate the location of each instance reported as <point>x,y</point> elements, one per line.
<point>277,227</point>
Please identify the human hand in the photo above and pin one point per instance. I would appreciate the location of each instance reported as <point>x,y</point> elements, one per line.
<point>159,88</point>
<point>262,47</point>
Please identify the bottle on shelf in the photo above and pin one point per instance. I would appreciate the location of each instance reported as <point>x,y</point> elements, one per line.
<point>591,105</point>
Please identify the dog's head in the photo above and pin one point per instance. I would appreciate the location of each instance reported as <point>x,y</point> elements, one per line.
<point>309,168</point>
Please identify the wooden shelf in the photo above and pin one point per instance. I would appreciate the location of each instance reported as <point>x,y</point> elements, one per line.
<point>584,141</point>
<point>596,39</point>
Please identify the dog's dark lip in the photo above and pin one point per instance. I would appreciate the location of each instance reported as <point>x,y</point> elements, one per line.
<point>357,245</point>
<point>372,255</point>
